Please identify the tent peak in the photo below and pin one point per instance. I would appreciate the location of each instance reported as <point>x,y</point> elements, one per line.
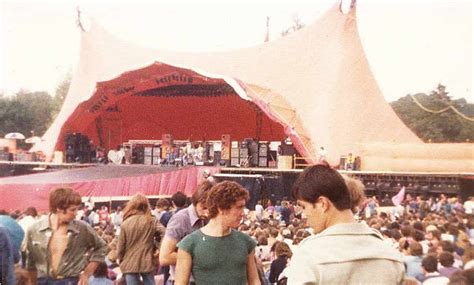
<point>347,7</point>
<point>78,21</point>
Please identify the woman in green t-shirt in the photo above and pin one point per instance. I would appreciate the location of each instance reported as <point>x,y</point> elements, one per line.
<point>217,253</point>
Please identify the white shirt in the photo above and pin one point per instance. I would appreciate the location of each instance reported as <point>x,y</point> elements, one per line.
<point>258,210</point>
<point>26,222</point>
<point>438,280</point>
<point>469,207</point>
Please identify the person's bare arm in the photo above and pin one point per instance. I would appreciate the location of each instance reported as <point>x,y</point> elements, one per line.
<point>168,254</point>
<point>88,271</point>
<point>252,274</point>
<point>183,267</point>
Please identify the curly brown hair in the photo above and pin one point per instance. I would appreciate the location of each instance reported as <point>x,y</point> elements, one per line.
<point>223,195</point>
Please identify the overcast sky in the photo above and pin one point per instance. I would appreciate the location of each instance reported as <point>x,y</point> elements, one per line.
<point>411,45</point>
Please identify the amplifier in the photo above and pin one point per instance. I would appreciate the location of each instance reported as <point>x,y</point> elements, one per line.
<point>262,162</point>
<point>243,152</point>
<point>234,161</point>
<point>263,150</point>
<point>234,152</point>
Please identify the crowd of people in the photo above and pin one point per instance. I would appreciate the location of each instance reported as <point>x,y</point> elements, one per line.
<point>328,232</point>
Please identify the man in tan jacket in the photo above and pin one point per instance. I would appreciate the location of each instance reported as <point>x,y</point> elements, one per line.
<point>342,251</point>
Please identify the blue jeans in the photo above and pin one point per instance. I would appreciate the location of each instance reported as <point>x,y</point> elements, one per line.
<point>134,278</point>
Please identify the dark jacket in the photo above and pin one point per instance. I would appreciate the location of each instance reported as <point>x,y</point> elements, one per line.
<point>277,267</point>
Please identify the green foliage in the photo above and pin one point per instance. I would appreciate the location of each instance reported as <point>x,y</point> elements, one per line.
<point>26,112</point>
<point>443,127</point>
<point>31,113</point>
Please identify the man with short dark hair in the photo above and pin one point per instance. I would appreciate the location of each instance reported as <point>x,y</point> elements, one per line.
<point>342,251</point>
<point>183,223</point>
<point>446,259</point>
<point>178,200</point>
<point>430,268</point>
<point>60,249</point>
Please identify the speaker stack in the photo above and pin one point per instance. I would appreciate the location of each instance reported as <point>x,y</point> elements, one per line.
<point>253,152</point>
<point>234,154</point>
<point>244,154</point>
<point>138,155</point>
<point>156,154</point>
<point>77,147</point>
<point>263,154</point>
<point>287,149</point>
<point>148,155</point>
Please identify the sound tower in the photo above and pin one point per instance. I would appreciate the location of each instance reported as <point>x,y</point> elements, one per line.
<point>166,144</point>
<point>253,153</point>
<point>77,148</point>
<point>138,155</point>
<point>84,149</point>
<point>225,149</point>
<point>70,147</point>
<point>234,154</point>
<point>156,155</point>
<point>148,155</point>
<point>244,154</point>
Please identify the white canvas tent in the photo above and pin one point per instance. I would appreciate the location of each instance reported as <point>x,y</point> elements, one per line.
<point>316,83</point>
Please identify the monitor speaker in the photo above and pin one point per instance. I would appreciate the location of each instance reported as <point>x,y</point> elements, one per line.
<point>243,152</point>
<point>234,152</point>
<point>262,161</point>
<point>263,150</point>
<point>287,149</point>
<point>234,161</point>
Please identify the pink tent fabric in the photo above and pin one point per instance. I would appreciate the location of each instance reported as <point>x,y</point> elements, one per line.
<point>316,84</point>
<point>18,193</point>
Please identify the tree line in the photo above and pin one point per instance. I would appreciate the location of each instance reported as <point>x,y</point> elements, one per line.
<point>33,112</point>
<point>447,126</point>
